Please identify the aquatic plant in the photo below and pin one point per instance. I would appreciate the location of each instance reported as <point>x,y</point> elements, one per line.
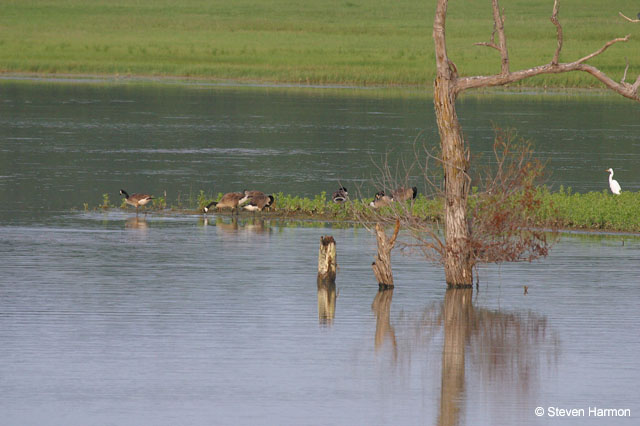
<point>106,203</point>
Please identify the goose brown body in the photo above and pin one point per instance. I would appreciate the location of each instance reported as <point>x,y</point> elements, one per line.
<point>400,194</point>
<point>136,200</point>
<point>253,193</point>
<point>258,202</point>
<point>380,200</point>
<point>404,194</point>
<point>229,200</point>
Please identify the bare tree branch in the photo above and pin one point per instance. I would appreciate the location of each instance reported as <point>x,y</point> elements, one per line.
<point>603,48</point>
<point>625,89</point>
<point>629,19</point>
<point>626,68</point>
<point>487,44</point>
<point>498,20</point>
<point>554,19</point>
<point>392,240</point>
<point>501,46</point>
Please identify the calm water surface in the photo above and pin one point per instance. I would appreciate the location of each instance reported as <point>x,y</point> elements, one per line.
<point>109,319</point>
<point>64,145</point>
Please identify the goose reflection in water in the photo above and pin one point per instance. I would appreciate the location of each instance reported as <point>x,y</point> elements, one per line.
<point>504,350</point>
<point>235,226</point>
<point>136,223</point>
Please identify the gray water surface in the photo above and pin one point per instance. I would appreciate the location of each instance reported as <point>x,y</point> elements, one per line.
<point>106,319</point>
<point>111,319</point>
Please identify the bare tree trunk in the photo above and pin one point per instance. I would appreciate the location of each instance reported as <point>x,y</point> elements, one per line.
<point>458,263</point>
<point>327,263</point>
<point>458,256</point>
<point>382,265</point>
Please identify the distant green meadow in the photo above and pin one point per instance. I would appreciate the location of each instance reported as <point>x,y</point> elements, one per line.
<point>331,42</point>
<point>592,211</point>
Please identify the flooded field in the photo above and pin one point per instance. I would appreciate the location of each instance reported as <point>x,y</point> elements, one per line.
<point>108,318</point>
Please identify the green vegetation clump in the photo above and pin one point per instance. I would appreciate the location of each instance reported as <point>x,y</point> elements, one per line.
<point>563,208</point>
<point>332,42</point>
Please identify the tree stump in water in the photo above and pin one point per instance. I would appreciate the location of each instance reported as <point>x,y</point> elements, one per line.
<point>327,263</point>
<point>382,265</point>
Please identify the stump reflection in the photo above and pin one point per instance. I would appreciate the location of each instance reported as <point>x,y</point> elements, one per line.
<point>381,306</point>
<point>326,301</point>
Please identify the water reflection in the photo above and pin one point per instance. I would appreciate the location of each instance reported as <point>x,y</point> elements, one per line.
<point>502,350</point>
<point>381,306</point>
<point>456,313</point>
<point>326,301</point>
<point>234,225</point>
<point>136,223</point>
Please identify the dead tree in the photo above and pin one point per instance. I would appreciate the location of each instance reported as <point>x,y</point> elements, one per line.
<point>382,264</point>
<point>459,256</point>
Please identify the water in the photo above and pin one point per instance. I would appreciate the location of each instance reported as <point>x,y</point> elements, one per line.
<point>106,318</point>
<point>64,145</point>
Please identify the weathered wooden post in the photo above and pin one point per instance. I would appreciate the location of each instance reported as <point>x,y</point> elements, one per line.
<point>327,266</point>
<point>382,264</point>
<point>327,263</point>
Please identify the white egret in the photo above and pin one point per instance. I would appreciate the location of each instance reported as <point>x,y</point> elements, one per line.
<point>613,184</point>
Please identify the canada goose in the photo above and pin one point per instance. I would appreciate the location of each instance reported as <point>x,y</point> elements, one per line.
<point>228,200</point>
<point>341,195</point>
<point>136,200</point>
<point>254,193</point>
<point>259,202</point>
<point>613,184</point>
<point>248,195</point>
<point>404,194</point>
<point>380,200</point>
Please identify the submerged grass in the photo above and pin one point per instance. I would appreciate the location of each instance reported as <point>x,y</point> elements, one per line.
<point>600,211</point>
<point>376,42</point>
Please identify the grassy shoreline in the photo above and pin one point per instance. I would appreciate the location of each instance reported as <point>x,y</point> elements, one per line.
<point>344,43</point>
<point>592,211</point>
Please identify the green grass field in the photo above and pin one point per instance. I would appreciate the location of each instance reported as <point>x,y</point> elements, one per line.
<point>344,42</point>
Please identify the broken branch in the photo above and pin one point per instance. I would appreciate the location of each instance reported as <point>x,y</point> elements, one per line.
<point>629,19</point>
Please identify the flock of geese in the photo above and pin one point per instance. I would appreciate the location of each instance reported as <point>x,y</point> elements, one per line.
<point>258,201</point>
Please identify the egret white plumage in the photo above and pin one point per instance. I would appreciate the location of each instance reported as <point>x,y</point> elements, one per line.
<point>613,184</point>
